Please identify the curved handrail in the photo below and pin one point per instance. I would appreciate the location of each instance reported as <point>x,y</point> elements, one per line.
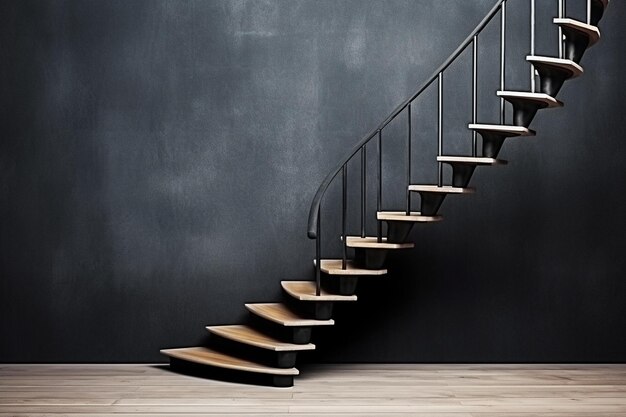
<point>317,199</point>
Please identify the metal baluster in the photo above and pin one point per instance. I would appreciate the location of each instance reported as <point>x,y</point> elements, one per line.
<point>502,59</point>
<point>363,189</point>
<point>379,199</point>
<point>561,14</point>
<point>475,94</point>
<point>440,131</point>
<point>533,86</point>
<point>408,165</point>
<point>344,215</point>
<point>318,255</point>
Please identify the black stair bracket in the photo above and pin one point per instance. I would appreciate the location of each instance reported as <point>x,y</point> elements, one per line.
<point>341,284</point>
<point>597,10</point>
<point>432,196</point>
<point>398,231</point>
<point>526,104</point>
<point>400,223</point>
<point>372,254</point>
<point>463,167</point>
<point>578,38</point>
<point>553,72</point>
<point>493,136</point>
<point>370,258</point>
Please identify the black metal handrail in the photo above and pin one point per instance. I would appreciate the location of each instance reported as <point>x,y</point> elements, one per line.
<point>314,211</point>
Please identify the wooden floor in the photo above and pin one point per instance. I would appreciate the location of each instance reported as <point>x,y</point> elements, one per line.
<point>363,390</point>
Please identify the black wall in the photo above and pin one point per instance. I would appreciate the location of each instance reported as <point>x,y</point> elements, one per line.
<point>158,159</point>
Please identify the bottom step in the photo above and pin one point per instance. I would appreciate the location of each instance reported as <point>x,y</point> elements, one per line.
<point>204,356</point>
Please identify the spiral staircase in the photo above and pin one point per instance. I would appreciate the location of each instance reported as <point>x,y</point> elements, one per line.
<point>264,350</point>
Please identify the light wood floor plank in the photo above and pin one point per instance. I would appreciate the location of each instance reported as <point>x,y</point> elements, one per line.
<point>328,390</point>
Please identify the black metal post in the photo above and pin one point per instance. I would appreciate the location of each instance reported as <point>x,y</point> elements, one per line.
<point>318,256</point>
<point>343,215</point>
<point>561,14</point>
<point>502,59</point>
<point>379,199</point>
<point>363,189</point>
<point>408,164</point>
<point>532,45</point>
<point>440,132</point>
<point>475,94</point>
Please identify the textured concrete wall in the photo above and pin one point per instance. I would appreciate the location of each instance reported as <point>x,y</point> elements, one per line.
<point>158,159</point>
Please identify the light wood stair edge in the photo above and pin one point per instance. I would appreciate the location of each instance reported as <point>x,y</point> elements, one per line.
<point>281,314</point>
<point>371,242</point>
<point>445,189</point>
<point>401,216</point>
<point>206,356</point>
<point>334,267</point>
<point>548,100</point>
<point>496,128</point>
<point>471,160</point>
<point>592,32</point>
<point>250,336</point>
<point>565,64</point>
<point>305,291</point>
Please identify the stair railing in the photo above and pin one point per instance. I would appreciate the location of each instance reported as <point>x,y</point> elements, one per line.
<point>314,221</point>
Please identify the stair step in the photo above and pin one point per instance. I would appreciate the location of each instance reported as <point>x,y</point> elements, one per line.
<point>334,267</point>
<point>250,336</point>
<point>306,291</point>
<point>401,216</point>
<point>504,130</point>
<point>571,68</point>
<point>281,314</point>
<point>372,243</point>
<point>470,160</point>
<point>446,189</point>
<point>589,31</point>
<point>541,99</point>
<point>206,356</point>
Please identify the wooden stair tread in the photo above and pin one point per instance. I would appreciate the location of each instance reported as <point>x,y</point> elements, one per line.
<point>306,291</point>
<point>281,314</point>
<point>508,130</point>
<point>541,98</point>
<point>567,65</point>
<point>206,356</point>
<point>446,189</point>
<point>250,336</point>
<point>470,160</point>
<point>401,216</point>
<point>372,243</point>
<point>590,31</point>
<point>333,267</point>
